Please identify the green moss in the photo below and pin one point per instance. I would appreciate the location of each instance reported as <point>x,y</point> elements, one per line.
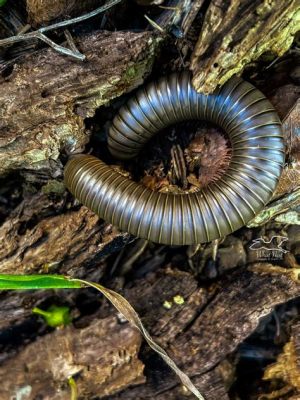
<point>131,71</point>
<point>53,186</point>
<point>266,35</point>
<point>289,218</point>
<point>49,139</point>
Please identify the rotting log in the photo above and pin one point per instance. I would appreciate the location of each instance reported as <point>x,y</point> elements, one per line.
<point>232,312</point>
<point>286,199</point>
<point>46,97</point>
<point>287,366</point>
<point>37,238</point>
<point>232,315</point>
<point>189,19</point>
<point>104,356</point>
<point>213,320</point>
<point>235,33</point>
<point>290,178</point>
<point>199,334</point>
<point>178,15</point>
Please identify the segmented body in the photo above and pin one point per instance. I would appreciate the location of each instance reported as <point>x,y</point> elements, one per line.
<point>255,133</point>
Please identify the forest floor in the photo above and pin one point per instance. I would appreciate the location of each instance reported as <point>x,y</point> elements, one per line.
<point>226,311</point>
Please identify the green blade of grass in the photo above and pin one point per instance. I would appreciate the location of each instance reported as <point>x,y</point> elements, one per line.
<point>23,282</point>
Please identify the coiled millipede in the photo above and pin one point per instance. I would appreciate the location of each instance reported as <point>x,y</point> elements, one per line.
<point>254,130</point>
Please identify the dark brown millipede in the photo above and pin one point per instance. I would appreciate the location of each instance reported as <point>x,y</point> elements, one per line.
<point>255,133</point>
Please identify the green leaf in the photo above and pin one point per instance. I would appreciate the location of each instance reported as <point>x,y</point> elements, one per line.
<point>23,282</point>
<point>2,2</point>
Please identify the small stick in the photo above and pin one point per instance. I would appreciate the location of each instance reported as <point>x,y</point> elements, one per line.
<point>72,44</point>
<point>60,49</point>
<point>151,22</point>
<point>170,8</point>
<point>215,247</point>
<point>140,247</point>
<point>24,29</point>
<point>39,34</point>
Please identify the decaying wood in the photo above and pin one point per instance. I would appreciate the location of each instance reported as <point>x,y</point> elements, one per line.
<point>104,357</point>
<point>44,11</point>
<point>231,313</point>
<point>291,127</point>
<point>289,202</point>
<point>286,199</point>
<point>290,178</point>
<point>212,382</point>
<point>178,15</point>
<point>13,20</point>
<point>234,313</point>
<point>39,34</point>
<point>287,367</point>
<point>235,33</point>
<point>45,99</point>
<point>37,238</point>
<point>189,18</point>
<point>199,333</point>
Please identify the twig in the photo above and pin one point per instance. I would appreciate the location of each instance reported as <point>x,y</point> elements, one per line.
<point>39,34</point>
<point>72,44</point>
<point>140,247</point>
<point>24,29</point>
<point>215,247</point>
<point>170,8</point>
<point>58,48</point>
<point>151,22</point>
<point>272,63</point>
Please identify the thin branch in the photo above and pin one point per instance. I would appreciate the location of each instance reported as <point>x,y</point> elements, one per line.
<point>151,22</point>
<point>39,34</point>
<point>24,29</point>
<point>60,49</point>
<point>72,44</point>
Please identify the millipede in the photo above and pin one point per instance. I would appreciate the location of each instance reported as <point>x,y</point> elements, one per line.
<point>255,133</point>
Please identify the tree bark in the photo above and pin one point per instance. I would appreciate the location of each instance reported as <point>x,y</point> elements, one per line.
<point>235,33</point>
<point>104,355</point>
<point>46,97</point>
<point>199,334</point>
<point>37,238</point>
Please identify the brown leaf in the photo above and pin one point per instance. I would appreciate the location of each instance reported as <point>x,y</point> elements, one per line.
<point>125,308</point>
